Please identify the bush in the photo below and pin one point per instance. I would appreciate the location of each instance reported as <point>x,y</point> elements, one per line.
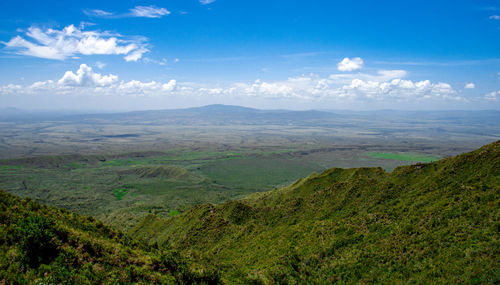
<point>37,243</point>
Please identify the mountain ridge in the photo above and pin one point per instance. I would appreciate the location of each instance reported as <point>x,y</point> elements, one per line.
<point>424,210</point>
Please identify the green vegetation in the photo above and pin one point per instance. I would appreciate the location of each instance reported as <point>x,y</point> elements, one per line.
<point>174,213</point>
<point>404,156</point>
<point>425,223</point>
<point>45,245</point>
<point>76,165</point>
<point>158,182</point>
<point>268,172</point>
<point>10,167</point>
<point>120,193</point>
<point>121,189</point>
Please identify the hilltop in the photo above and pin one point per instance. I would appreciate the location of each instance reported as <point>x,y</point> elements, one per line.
<point>425,223</point>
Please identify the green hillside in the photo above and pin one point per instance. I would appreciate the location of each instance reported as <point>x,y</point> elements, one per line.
<point>46,245</point>
<point>426,223</point>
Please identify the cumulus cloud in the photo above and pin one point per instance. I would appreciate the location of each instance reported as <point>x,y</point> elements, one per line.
<point>350,64</point>
<point>86,81</point>
<point>470,85</point>
<point>149,11</point>
<point>399,89</point>
<point>86,77</point>
<point>205,2</point>
<point>11,89</point>
<point>385,85</point>
<point>492,96</point>
<point>381,75</point>
<point>169,86</point>
<point>72,41</point>
<point>367,87</point>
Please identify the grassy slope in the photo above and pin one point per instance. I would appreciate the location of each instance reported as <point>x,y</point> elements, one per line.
<point>436,222</point>
<point>46,245</point>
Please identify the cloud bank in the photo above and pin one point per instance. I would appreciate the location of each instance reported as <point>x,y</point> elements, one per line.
<point>73,41</point>
<point>385,85</point>
<point>87,82</point>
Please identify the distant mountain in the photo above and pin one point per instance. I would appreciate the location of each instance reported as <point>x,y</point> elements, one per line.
<point>236,115</point>
<point>218,108</point>
<point>219,115</point>
<point>425,223</point>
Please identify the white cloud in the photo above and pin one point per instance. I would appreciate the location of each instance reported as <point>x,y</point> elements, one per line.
<point>205,2</point>
<point>470,85</point>
<point>100,65</point>
<point>97,13</point>
<point>163,61</point>
<point>11,89</point>
<point>72,41</point>
<point>86,77</point>
<point>493,96</point>
<point>350,64</point>
<point>313,87</point>
<point>383,86</point>
<point>87,82</point>
<point>149,11</point>
<point>381,75</point>
<point>136,55</point>
<point>169,86</point>
<point>398,89</point>
<point>494,17</point>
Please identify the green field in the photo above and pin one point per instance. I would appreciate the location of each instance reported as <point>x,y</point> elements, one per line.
<point>121,189</point>
<point>404,156</point>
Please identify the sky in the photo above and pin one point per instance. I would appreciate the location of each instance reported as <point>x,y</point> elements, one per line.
<point>355,54</point>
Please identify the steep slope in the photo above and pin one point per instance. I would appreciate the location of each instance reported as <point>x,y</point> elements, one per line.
<point>436,222</point>
<point>46,245</point>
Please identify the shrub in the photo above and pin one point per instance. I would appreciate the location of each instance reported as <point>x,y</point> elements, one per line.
<point>38,241</point>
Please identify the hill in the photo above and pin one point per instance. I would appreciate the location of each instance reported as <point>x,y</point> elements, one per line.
<point>426,223</point>
<point>46,245</point>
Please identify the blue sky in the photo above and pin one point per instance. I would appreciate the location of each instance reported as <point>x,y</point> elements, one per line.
<point>126,55</point>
